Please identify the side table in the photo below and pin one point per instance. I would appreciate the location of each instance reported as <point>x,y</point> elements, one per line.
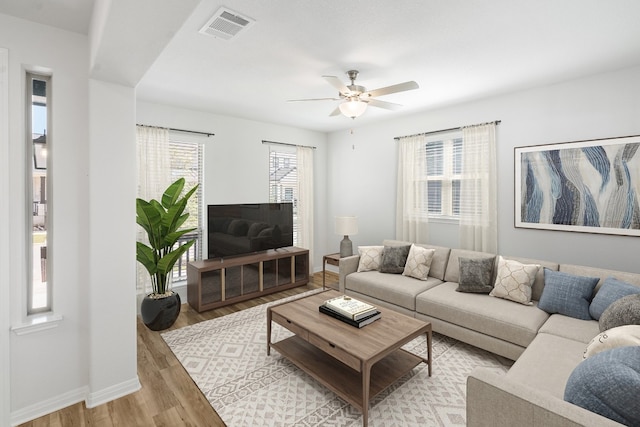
<point>333,259</point>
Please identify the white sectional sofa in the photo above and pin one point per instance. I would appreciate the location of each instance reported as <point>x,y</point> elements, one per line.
<point>546,347</point>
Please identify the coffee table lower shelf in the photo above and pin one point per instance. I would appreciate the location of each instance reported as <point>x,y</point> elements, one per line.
<point>340,378</point>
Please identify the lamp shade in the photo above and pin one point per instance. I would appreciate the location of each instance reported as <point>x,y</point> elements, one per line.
<point>346,225</point>
<point>353,108</point>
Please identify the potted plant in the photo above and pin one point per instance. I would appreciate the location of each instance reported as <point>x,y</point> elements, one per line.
<point>162,221</point>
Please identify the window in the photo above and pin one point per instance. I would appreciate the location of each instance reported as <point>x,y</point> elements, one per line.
<point>38,151</point>
<point>444,166</point>
<point>283,181</point>
<point>186,162</point>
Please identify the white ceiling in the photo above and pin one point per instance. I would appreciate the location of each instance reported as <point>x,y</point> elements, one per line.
<point>456,50</point>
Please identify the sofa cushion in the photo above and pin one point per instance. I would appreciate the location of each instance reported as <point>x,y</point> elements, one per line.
<point>514,281</point>
<point>570,327</point>
<point>418,262</point>
<point>567,294</point>
<point>394,259</point>
<point>633,278</point>
<point>370,257</point>
<point>438,262</point>
<point>621,336</point>
<point>393,288</point>
<point>476,275</point>
<point>625,311</point>
<point>452,273</point>
<point>611,290</point>
<point>502,319</point>
<point>547,363</point>
<point>608,384</point>
<point>538,284</point>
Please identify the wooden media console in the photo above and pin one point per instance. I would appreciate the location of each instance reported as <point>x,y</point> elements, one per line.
<point>218,282</point>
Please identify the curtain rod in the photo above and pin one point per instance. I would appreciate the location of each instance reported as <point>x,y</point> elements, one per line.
<point>264,141</point>
<point>496,122</point>
<point>179,130</point>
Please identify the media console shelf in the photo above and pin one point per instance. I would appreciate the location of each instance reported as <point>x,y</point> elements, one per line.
<point>214,283</point>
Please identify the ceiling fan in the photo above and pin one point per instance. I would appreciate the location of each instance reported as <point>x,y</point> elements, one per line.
<point>356,98</point>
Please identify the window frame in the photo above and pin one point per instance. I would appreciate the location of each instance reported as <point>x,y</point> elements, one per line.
<point>450,174</point>
<point>287,156</point>
<point>30,167</point>
<point>176,139</point>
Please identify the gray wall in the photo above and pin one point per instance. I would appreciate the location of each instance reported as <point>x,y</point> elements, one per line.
<point>362,165</point>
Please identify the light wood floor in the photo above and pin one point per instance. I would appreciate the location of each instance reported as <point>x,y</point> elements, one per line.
<point>168,396</point>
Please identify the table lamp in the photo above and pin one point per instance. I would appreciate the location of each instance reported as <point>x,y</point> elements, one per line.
<point>345,226</point>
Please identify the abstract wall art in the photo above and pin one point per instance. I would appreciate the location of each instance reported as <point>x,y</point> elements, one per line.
<point>586,186</point>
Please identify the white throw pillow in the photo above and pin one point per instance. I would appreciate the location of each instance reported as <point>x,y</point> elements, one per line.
<point>620,336</point>
<point>418,262</point>
<point>370,258</point>
<point>514,281</point>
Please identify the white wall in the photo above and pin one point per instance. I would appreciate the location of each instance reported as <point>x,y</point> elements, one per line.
<point>5,244</point>
<point>236,161</point>
<point>362,166</point>
<point>111,301</point>
<point>49,368</point>
<point>91,353</point>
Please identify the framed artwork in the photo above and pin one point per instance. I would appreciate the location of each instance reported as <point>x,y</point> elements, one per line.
<point>586,186</point>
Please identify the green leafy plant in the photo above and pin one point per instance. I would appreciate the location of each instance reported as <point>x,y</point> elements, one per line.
<point>162,222</point>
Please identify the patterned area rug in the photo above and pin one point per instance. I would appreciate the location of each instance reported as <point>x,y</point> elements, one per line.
<point>227,359</point>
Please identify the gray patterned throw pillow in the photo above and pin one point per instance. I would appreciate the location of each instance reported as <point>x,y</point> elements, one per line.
<point>476,275</point>
<point>625,311</point>
<point>394,259</point>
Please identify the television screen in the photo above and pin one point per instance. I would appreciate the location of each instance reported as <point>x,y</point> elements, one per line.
<point>246,228</point>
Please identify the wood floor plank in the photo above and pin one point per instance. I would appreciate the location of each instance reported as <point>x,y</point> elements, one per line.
<point>98,416</point>
<point>193,403</point>
<point>168,397</point>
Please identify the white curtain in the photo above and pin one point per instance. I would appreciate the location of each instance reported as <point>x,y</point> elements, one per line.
<point>478,187</point>
<point>304,159</point>
<point>412,222</point>
<point>154,176</point>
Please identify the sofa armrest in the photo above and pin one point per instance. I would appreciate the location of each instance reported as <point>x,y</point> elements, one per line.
<point>494,400</point>
<point>347,265</point>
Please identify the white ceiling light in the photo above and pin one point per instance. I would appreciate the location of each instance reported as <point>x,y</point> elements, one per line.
<point>353,108</point>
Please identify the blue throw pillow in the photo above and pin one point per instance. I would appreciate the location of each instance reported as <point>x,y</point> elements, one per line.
<point>567,294</point>
<point>611,290</point>
<point>607,383</point>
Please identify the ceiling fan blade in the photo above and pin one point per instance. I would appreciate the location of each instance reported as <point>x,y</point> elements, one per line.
<point>400,87</point>
<point>335,82</point>
<point>384,104</point>
<point>335,112</point>
<point>313,99</point>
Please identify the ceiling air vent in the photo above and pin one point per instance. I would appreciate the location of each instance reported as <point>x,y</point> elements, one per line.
<point>226,24</point>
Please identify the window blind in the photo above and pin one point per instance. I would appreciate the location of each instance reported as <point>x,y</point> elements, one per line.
<point>443,156</point>
<point>283,181</point>
<point>187,162</point>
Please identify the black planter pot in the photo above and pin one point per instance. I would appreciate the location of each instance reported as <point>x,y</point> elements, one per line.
<point>160,313</point>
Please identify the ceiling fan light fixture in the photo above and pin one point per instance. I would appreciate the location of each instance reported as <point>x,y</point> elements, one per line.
<point>353,108</point>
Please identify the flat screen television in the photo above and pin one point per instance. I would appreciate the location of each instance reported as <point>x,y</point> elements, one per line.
<point>238,229</point>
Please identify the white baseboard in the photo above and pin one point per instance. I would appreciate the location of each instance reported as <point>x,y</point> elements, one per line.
<point>112,393</point>
<point>48,406</point>
<point>71,398</point>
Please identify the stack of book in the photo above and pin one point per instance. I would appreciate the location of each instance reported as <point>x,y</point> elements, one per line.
<point>350,310</point>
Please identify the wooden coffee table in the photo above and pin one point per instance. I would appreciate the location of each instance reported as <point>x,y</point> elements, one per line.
<point>356,364</point>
